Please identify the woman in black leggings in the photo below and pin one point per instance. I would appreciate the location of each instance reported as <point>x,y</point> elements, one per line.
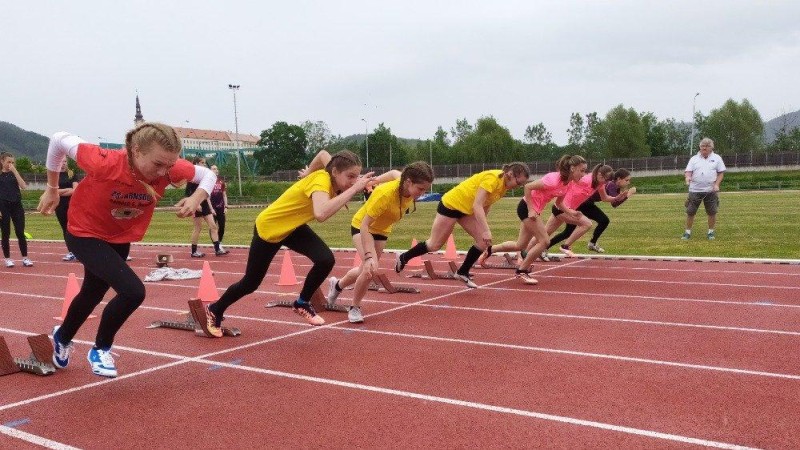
<point>11,209</point>
<point>589,208</point>
<point>111,208</point>
<point>66,186</point>
<point>325,186</point>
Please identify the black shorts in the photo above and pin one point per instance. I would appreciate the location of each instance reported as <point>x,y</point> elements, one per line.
<point>447,212</point>
<point>710,201</point>
<point>204,210</point>
<point>378,237</point>
<point>555,211</point>
<point>522,210</point>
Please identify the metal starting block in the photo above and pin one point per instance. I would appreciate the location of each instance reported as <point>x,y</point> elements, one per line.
<point>164,260</point>
<point>39,363</point>
<point>429,273</point>
<point>190,324</point>
<point>381,282</point>
<point>510,262</point>
<point>318,301</point>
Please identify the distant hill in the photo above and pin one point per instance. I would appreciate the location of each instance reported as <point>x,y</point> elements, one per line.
<point>19,142</point>
<point>789,121</point>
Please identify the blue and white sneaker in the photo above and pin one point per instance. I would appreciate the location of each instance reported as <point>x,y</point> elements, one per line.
<point>102,362</point>
<point>61,352</point>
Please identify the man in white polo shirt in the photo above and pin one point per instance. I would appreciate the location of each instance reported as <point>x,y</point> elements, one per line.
<point>703,175</point>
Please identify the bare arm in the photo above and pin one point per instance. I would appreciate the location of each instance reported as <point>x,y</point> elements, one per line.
<point>530,187</point>
<point>320,161</point>
<point>325,207</point>
<point>22,184</point>
<point>718,181</point>
<point>687,177</point>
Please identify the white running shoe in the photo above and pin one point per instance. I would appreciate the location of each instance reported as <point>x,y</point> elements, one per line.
<point>26,262</point>
<point>354,315</point>
<point>470,284</point>
<point>596,248</point>
<point>333,294</point>
<point>9,262</point>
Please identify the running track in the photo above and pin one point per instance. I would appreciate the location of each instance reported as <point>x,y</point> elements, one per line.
<point>601,354</point>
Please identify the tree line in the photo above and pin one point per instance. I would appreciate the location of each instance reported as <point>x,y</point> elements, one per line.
<point>736,127</point>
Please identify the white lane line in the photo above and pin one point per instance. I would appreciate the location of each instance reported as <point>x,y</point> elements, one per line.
<point>34,439</point>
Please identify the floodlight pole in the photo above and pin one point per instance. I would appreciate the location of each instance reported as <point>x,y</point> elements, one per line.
<point>691,139</point>
<point>234,88</point>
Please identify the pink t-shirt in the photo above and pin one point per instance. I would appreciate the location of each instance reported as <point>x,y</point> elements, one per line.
<point>553,187</point>
<point>579,192</point>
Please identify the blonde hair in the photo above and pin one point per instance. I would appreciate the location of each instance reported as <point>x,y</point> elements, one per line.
<point>147,134</point>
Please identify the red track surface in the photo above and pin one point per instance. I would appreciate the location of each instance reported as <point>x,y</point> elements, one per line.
<point>602,353</point>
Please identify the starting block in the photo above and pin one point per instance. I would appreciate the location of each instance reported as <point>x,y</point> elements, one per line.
<point>381,282</point>
<point>164,260</point>
<point>429,273</point>
<point>508,263</point>
<point>318,301</point>
<point>190,324</point>
<point>39,363</point>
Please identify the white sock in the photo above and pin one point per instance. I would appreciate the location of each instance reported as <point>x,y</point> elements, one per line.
<point>710,230</point>
<point>688,231</point>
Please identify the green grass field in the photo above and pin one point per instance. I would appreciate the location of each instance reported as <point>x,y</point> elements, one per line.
<point>750,225</point>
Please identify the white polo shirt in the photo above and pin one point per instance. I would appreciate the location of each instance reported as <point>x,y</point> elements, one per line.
<point>704,171</point>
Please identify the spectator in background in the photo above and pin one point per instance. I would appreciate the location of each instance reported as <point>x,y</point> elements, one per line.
<point>67,182</point>
<point>219,205</point>
<point>11,210</point>
<point>703,175</point>
<point>203,214</point>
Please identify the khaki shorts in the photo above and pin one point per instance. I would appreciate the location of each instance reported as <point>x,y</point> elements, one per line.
<point>710,201</point>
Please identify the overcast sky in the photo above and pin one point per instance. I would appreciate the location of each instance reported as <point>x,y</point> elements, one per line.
<point>413,65</point>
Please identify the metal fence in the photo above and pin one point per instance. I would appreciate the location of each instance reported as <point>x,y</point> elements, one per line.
<point>653,163</point>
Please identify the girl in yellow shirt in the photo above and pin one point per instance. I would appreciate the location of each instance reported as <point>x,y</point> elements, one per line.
<point>325,186</point>
<point>468,204</point>
<point>372,225</point>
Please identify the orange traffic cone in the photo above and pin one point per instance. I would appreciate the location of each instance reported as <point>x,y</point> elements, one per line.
<point>288,278</point>
<point>450,252</point>
<point>207,291</point>
<point>357,260</point>
<point>416,261</point>
<point>70,292</point>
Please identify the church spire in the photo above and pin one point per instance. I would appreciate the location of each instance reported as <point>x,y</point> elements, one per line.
<point>138,119</point>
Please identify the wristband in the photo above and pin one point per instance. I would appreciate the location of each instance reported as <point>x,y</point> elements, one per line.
<point>52,187</point>
<point>368,257</point>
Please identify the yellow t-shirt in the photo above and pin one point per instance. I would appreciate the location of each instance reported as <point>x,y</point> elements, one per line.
<point>293,208</point>
<point>461,197</point>
<point>385,206</point>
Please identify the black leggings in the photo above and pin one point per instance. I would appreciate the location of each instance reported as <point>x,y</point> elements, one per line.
<point>61,215</point>
<point>592,211</point>
<point>303,240</point>
<point>104,266</point>
<point>12,212</point>
<point>220,219</point>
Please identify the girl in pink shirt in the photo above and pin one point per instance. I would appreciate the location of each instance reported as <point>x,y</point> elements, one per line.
<point>577,193</point>
<point>538,194</point>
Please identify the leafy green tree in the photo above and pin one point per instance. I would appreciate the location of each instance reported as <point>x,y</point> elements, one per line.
<point>461,130</point>
<point>489,142</point>
<point>24,164</point>
<point>318,136</point>
<point>538,134</point>
<point>786,141</point>
<point>623,135</point>
<point>734,127</point>
<point>575,136</point>
<point>383,145</point>
<point>282,147</point>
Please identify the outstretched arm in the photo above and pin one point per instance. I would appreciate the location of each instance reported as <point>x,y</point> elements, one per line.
<point>320,160</point>
<point>325,207</point>
<point>62,144</point>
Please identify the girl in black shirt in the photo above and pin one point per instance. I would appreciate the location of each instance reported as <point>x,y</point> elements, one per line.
<point>11,209</point>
